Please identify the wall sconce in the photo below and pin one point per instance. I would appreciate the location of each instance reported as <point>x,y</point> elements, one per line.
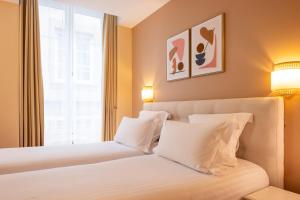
<point>286,78</point>
<point>147,93</point>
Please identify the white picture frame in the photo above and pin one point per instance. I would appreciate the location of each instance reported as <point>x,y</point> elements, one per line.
<point>178,56</point>
<point>207,47</point>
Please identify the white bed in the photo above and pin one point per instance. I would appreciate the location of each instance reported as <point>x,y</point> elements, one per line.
<point>137,178</point>
<point>13,160</point>
<point>151,177</point>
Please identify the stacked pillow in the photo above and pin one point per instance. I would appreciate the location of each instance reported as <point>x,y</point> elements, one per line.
<point>141,133</point>
<point>159,118</point>
<point>229,148</point>
<point>207,144</point>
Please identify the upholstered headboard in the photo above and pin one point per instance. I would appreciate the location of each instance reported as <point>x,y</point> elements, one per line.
<point>262,141</point>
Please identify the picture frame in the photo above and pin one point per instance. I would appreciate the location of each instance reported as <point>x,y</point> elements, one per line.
<point>178,56</point>
<point>207,47</point>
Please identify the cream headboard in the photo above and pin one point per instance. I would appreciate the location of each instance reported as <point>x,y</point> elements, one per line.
<point>262,141</point>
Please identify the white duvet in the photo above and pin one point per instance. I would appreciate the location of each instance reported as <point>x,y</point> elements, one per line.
<point>148,177</point>
<point>14,160</point>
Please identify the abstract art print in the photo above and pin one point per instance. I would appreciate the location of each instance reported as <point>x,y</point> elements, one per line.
<point>178,56</point>
<point>207,48</point>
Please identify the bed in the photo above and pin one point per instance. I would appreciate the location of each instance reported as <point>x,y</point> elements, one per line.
<point>152,177</point>
<point>15,160</point>
<point>138,178</point>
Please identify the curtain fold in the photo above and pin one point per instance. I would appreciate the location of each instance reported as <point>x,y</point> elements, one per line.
<point>31,85</point>
<point>110,76</point>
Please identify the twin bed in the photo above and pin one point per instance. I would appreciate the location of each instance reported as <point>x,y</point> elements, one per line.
<point>137,178</point>
<point>15,160</point>
<point>142,177</point>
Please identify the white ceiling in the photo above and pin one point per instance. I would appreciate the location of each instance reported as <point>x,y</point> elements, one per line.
<point>130,12</point>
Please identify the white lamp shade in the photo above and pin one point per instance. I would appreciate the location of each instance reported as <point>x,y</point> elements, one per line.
<point>286,78</point>
<point>147,93</point>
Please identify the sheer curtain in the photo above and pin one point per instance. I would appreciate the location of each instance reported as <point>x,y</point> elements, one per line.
<point>71,46</point>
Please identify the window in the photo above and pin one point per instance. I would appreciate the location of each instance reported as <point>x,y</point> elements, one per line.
<point>71,43</point>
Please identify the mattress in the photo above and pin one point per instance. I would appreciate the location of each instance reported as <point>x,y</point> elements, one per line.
<point>145,177</point>
<point>14,160</point>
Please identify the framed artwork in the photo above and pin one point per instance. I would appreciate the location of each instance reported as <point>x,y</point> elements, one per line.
<point>207,49</point>
<point>178,65</point>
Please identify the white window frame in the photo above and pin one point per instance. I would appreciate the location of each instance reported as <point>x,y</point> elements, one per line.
<point>70,12</point>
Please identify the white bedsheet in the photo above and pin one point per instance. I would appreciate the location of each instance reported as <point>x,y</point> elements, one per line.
<point>146,177</point>
<point>14,160</point>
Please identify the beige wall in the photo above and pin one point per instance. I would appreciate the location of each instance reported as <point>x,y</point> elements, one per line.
<point>257,34</point>
<point>124,73</point>
<point>9,74</point>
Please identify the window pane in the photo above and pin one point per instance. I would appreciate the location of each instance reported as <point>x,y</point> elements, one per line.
<point>87,89</point>
<point>54,64</point>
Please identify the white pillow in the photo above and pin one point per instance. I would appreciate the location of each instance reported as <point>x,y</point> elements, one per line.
<point>229,150</point>
<point>193,145</point>
<point>159,118</point>
<point>136,133</point>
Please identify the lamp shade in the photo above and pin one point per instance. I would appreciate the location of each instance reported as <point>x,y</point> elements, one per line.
<point>286,78</point>
<point>147,93</point>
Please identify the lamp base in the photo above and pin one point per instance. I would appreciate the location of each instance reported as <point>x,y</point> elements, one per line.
<point>285,92</point>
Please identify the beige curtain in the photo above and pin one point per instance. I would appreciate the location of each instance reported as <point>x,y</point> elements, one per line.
<point>31,88</point>
<point>110,75</point>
